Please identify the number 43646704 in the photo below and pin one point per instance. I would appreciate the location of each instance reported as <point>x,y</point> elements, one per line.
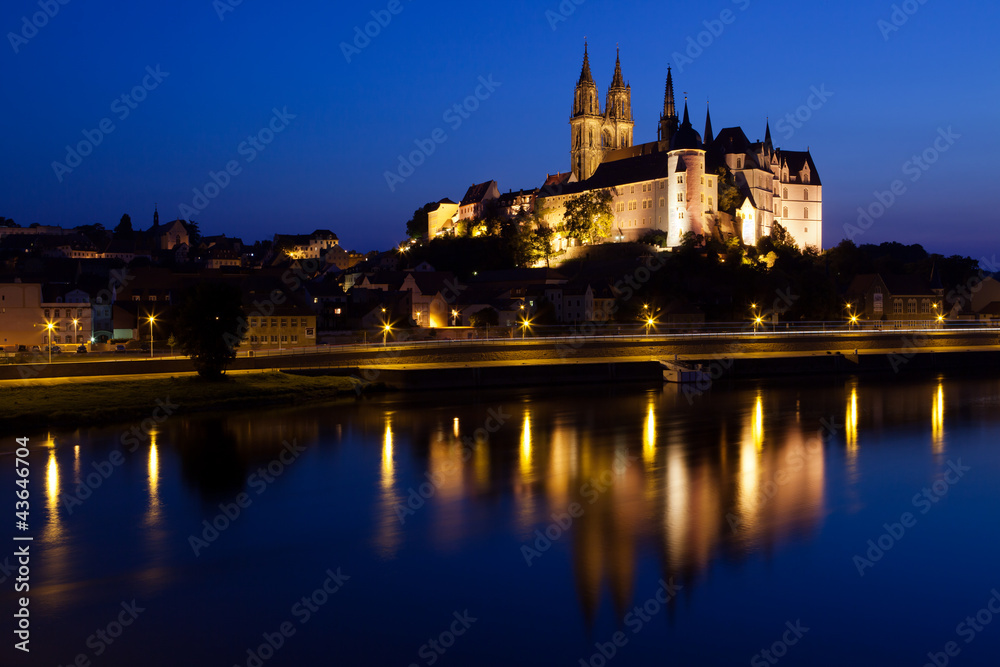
<point>21,466</point>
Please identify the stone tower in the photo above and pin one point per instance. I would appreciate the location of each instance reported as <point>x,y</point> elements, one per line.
<point>586,123</point>
<point>669,120</point>
<point>618,123</point>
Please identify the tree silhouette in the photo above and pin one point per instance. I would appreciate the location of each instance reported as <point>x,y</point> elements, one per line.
<point>210,326</point>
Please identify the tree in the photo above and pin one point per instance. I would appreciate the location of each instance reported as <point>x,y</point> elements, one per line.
<point>781,237</point>
<point>589,217</point>
<point>8,222</point>
<point>124,229</point>
<point>486,317</point>
<point>194,233</point>
<point>729,194</point>
<point>417,226</point>
<point>210,325</point>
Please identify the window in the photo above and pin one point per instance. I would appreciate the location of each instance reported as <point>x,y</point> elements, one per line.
<point>785,195</point>
<point>253,323</point>
<point>739,163</point>
<point>805,195</point>
<point>633,190</point>
<point>253,339</point>
<point>702,197</point>
<point>135,297</point>
<point>703,180</point>
<point>295,322</point>
<point>710,182</point>
<point>911,307</point>
<point>786,212</point>
<point>56,314</point>
<point>680,179</point>
<point>79,313</point>
<point>274,339</point>
<point>897,306</point>
<point>662,202</point>
<point>337,311</point>
<point>47,311</point>
<point>805,213</point>
<point>710,204</point>
<point>680,215</point>
<point>806,230</point>
<point>925,307</point>
<point>274,322</point>
<point>152,298</point>
<point>680,196</point>
<point>663,184</point>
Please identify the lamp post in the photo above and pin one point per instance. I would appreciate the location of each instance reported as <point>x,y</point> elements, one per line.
<point>151,318</point>
<point>454,318</point>
<point>50,327</point>
<point>385,334</point>
<point>524,326</point>
<point>76,332</point>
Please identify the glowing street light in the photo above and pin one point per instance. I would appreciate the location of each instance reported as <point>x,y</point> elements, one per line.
<point>650,322</point>
<point>50,327</point>
<point>525,322</point>
<point>757,322</point>
<point>76,325</point>
<point>386,328</point>
<point>151,318</point>
<point>454,316</point>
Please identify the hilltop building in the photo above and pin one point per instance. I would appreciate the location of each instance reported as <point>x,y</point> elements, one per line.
<point>671,185</point>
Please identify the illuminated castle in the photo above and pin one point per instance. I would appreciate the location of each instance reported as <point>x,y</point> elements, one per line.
<point>672,185</point>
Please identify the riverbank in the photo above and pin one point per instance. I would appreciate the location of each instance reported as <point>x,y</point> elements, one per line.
<point>85,403</point>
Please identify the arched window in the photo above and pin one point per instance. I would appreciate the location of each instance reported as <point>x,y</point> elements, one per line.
<point>739,163</point>
<point>805,195</point>
<point>805,214</point>
<point>786,212</point>
<point>786,193</point>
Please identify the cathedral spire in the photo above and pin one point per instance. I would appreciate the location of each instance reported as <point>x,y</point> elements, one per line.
<point>708,127</point>
<point>156,217</point>
<point>668,121</point>
<point>669,108</point>
<point>618,81</point>
<point>767,137</point>
<point>585,76</point>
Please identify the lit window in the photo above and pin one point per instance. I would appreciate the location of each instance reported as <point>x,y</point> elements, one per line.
<point>680,178</point>
<point>680,196</point>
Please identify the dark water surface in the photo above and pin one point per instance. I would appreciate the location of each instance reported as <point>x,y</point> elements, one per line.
<point>536,527</point>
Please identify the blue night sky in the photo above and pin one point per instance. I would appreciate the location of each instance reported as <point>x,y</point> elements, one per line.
<point>326,167</point>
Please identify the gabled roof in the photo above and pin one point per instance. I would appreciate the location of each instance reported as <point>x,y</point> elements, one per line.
<point>897,285</point>
<point>620,172</point>
<point>476,193</point>
<point>798,159</point>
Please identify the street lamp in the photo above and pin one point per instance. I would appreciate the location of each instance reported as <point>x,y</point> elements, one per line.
<point>650,322</point>
<point>454,318</point>
<point>50,327</point>
<point>76,324</point>
<point>385,333</point>
<point>757,322</point>
<point>524,326</point>
<point>151,318</point>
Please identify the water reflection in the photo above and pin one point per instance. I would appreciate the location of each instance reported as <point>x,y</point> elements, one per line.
<point>937,420</point>
<point>388,535</point>
<point>153,513</point>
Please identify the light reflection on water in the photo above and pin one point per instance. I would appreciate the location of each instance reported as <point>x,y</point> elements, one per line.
<point>734,476</point>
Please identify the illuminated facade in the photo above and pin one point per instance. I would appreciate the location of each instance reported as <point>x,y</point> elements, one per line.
<point>672,185</point>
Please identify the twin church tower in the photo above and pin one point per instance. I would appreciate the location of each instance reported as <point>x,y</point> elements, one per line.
<point>595,133</point>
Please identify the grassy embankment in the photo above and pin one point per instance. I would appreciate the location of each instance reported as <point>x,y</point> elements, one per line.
<point>80,403</point>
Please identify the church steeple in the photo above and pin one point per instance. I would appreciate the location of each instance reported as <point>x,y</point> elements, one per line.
<point>668,121</point>
<point>618,81</point>
<point>709,137</point>
<point>585,76</point>
<point>156,217</point>
<point>767,137</point>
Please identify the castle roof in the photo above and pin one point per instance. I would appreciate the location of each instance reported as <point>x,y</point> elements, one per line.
<point>796,160</point>
<point>476,193</point>
<point>620,172</point>
<point>687,137</point>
